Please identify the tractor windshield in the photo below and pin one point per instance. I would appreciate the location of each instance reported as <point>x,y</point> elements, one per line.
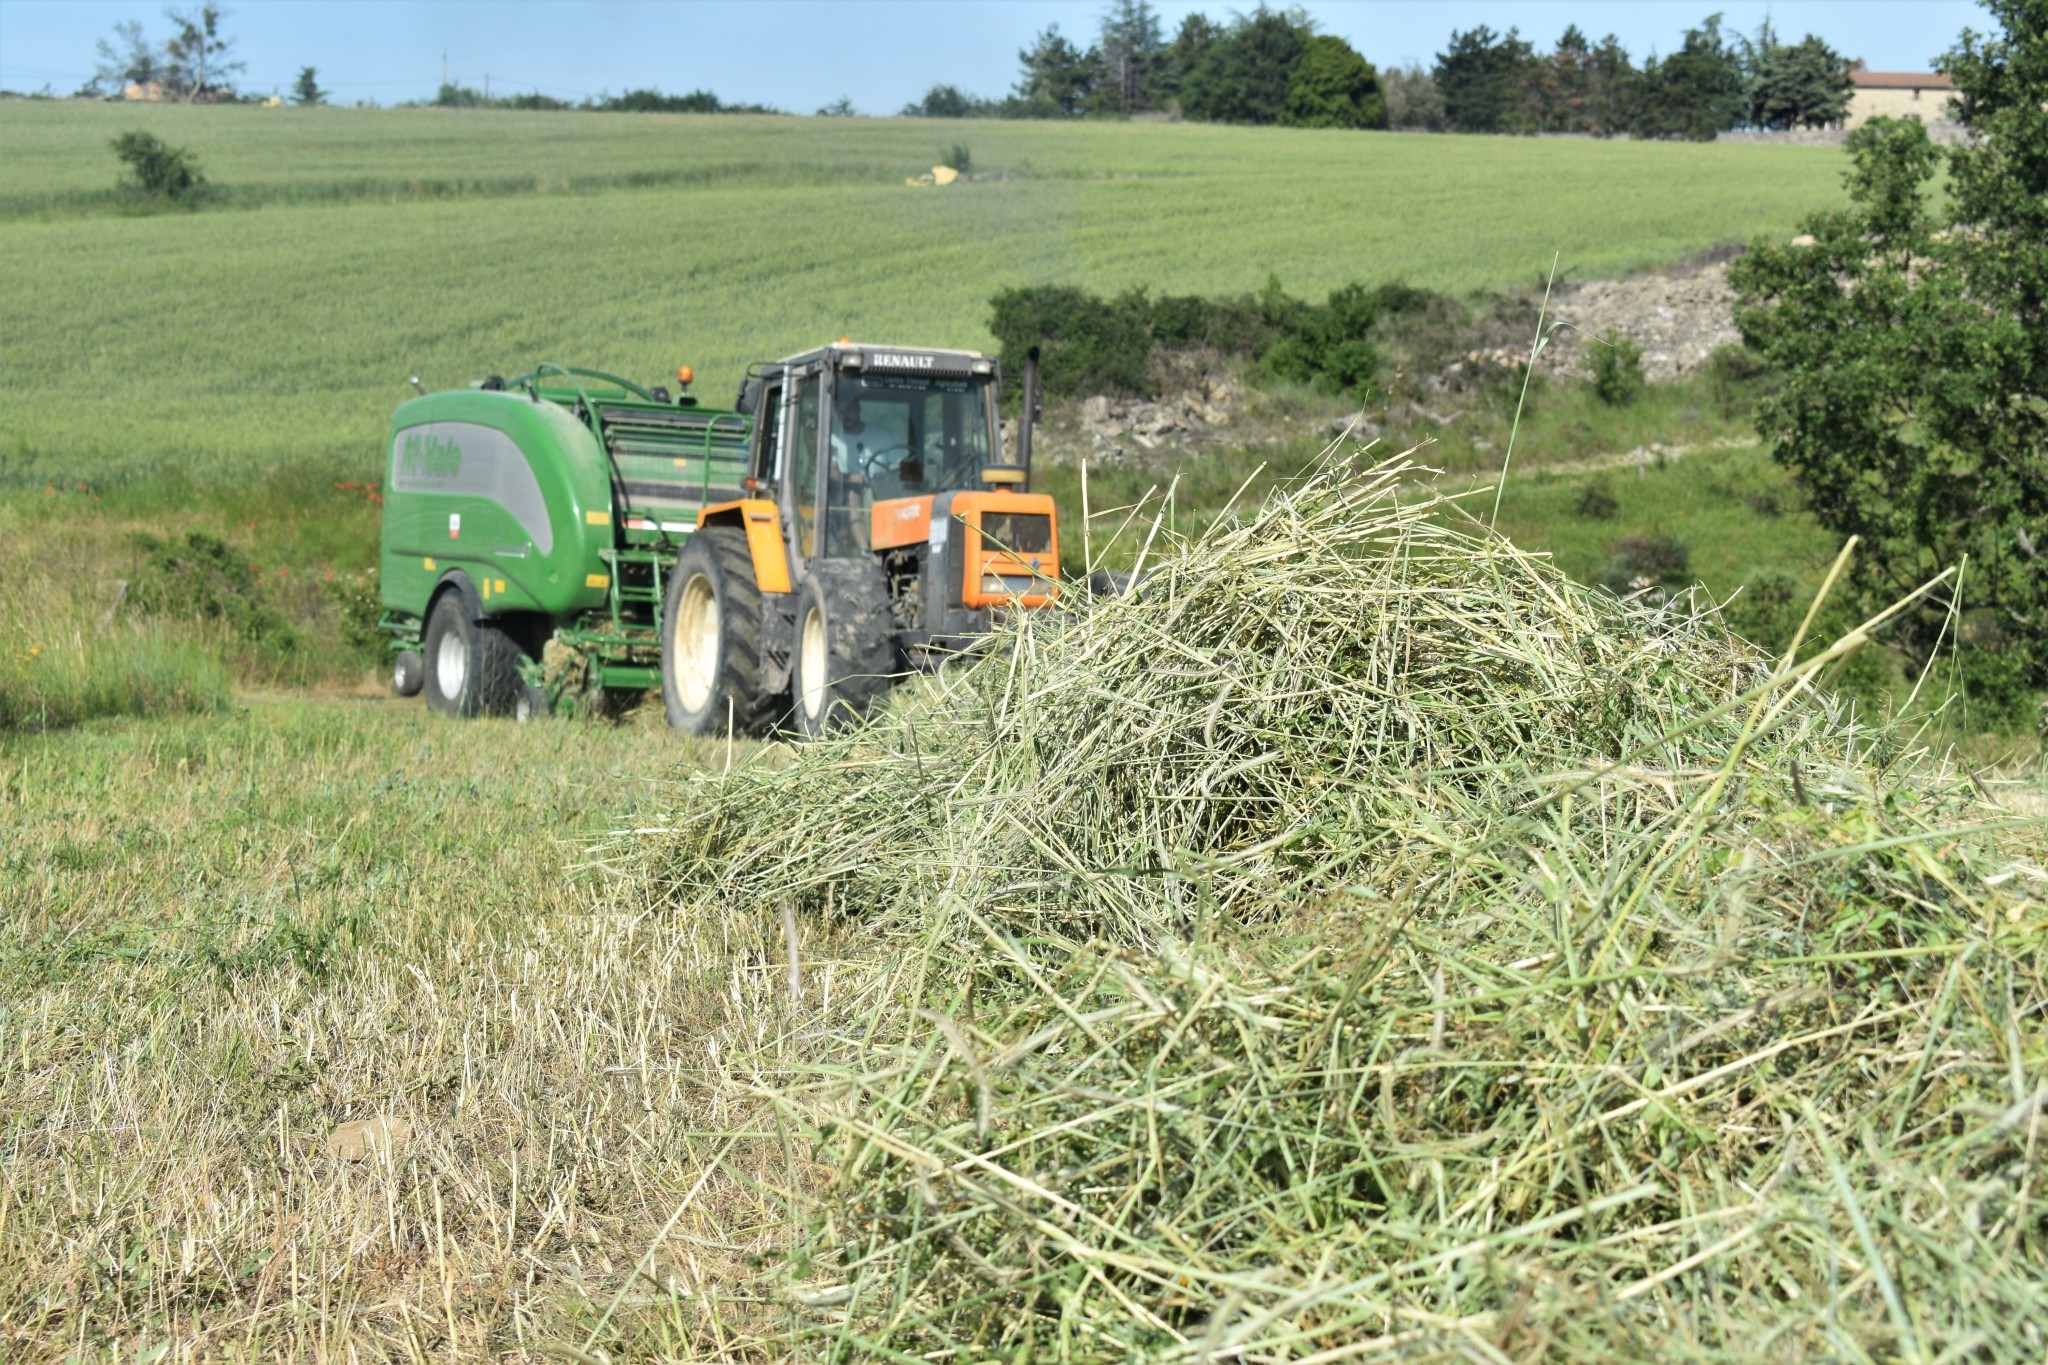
<point>901,437</point>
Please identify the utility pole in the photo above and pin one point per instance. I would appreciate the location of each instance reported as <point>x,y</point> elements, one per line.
<point>444,66</point>
<point>487,87</point>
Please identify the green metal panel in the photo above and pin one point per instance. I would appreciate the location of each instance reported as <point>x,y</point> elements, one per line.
<point>507,488</point>
<point>671,461</point>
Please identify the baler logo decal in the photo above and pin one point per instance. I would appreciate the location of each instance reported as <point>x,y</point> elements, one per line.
<point>472,473</point>
<point>428,456</point>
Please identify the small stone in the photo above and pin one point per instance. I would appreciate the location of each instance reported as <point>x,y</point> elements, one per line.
<point>362,1138</point>
<point>1095,409</point>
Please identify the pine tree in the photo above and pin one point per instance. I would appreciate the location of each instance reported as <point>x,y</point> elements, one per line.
<point>1243,76</point>
<point>1483,77</point>
<point>1802,86</point>
<point>1127,57</point>
<point>1055,76</point>
<point>1333,87</point>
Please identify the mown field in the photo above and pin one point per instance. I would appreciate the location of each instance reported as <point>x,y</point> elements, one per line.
<point>225,934</point>
<point>236,341</point>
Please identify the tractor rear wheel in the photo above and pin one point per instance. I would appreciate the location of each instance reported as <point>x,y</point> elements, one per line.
<point>711,637</point>
<point>472,667</point>
<point>845,655</point>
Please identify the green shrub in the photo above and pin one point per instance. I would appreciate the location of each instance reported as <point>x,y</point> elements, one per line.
<point>359,607</point>
<point>1090,344</point>
<point>1087,344</point>
<point>157,169</point>
<point>1618,373</point>
<point>1596,501</point>
<point>204,578</point>
<point>1659,561</point>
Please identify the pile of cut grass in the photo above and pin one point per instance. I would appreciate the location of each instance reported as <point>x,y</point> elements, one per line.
<point>1363,941</point>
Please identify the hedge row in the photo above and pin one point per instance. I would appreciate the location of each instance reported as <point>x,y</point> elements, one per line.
<point>1090,344</point>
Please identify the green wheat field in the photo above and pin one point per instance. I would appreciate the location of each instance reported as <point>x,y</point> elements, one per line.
<point>378,244</point>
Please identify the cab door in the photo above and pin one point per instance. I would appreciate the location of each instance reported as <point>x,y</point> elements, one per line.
<point>800,475</point>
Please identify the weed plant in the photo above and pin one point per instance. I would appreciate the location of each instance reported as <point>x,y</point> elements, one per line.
<point>1617,372</point>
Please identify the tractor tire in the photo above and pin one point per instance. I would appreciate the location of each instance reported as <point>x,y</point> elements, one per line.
<point>408,673</point>
<point>711,637</point>
<point>845,648</point>
<point>472,667</point>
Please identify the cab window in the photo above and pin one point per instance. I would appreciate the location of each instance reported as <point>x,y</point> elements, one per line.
<point>899,438</point>
<point>803,458</point>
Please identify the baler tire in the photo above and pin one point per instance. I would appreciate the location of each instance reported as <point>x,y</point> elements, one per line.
<point>472,666</point>
<point>710,685</point>
<point>844,654</point>
<point>498,680</point>
<point>408,673</point>
<point>531,704</point>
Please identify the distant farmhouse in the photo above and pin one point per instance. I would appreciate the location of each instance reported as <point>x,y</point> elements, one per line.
<point>1924,95</point>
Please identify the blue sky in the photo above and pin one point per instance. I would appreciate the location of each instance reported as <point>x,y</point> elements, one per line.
<point>799,54</point>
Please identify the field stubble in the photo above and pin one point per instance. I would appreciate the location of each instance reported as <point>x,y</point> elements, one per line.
<point>224,937</point>
<point>628,1129</point>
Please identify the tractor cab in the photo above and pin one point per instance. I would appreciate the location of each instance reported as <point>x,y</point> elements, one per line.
<point>847,428</point>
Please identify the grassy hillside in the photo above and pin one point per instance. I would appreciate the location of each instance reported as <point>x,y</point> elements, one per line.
<point>388,243</point>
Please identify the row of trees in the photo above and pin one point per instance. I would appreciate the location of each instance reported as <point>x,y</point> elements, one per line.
<point>1499,83</point>
<point>1269,66</point>
<point>195,62</point>
<point>455,96</point>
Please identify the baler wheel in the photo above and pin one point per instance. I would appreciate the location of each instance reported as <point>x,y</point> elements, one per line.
<point>472,667</point>
<point>845,648</point>
<point>408,673</point>
<point>711,637</point>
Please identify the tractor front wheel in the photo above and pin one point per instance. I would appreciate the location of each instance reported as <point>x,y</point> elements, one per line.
<point>845,651</point>
<point>711,637</point>
<point>472,667</point>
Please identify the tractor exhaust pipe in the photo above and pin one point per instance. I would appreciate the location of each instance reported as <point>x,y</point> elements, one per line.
<point>1028,416</point>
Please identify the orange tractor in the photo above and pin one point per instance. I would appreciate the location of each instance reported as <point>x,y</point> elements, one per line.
<point>878,530</point>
